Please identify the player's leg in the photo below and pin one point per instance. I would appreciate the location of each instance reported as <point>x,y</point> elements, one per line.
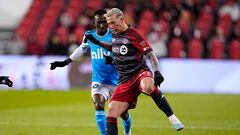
<point>99,103</point>
<point>147,86</point>
<point>100,95</point>
<point>126,117</point>
<point>115,109</point>
<point>127,123</point>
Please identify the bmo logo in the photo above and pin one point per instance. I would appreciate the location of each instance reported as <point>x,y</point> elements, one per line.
<point>123,50</point>
<point>115,50</point>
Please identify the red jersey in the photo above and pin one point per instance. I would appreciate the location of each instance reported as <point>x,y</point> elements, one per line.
<point>128,49</point>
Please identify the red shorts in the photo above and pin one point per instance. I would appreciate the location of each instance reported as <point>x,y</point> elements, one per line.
<point>129,90</point>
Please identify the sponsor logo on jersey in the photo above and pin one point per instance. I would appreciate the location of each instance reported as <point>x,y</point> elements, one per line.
<point>99,54</point>
<point>115,49</point>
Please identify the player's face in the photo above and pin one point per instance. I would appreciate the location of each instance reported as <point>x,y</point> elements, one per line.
<point>115,23</point>
<point>101,24</point>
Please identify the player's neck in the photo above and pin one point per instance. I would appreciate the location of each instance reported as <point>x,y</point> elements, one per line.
<point>101,34</point>
<point>124,28</point>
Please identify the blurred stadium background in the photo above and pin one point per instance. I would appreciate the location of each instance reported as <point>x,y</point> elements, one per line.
<point>197,43</point>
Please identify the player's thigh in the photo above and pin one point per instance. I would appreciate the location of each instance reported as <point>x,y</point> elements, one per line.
<point>116,108</point>
<point>101,89</point>
<point>147,85</point>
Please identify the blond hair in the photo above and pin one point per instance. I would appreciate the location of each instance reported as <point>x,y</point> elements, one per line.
<point>115,11</point>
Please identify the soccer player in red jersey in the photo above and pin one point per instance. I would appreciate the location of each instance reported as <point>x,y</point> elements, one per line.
<point>129,47</point>
<point>104,77</point>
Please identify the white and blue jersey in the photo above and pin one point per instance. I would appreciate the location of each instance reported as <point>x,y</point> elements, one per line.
<point>101,72</point>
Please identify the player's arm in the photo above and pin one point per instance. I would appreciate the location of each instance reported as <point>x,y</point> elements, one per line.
<point>60,63</point>
<point>109,59</point>
<point>105,45</point>
<point>158,78</point>
<point>153,60</point>
<point>144,47</point>
<point>78,52</point>
<point>5,80</point>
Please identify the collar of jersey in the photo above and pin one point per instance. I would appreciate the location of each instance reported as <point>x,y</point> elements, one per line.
<point>102,35</point>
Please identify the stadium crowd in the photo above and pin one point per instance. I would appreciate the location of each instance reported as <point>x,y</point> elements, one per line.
<point>174,28</point>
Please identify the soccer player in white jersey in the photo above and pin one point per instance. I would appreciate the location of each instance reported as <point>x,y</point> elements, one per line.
<point>104,76</point>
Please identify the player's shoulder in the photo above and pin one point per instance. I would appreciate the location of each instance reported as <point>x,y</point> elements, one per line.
<point>90,32</point>
<point>134,30</point>
<point>136,34</point>
<point>109,32</point>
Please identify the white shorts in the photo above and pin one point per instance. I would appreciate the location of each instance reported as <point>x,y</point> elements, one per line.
<point>103,89</point>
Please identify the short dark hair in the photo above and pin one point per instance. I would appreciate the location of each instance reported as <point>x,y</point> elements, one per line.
<point>100,12</point>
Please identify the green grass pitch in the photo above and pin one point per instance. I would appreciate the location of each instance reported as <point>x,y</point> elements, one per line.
<point>72,113</point>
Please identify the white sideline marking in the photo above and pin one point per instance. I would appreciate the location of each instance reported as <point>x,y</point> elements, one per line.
<point>94,124</point>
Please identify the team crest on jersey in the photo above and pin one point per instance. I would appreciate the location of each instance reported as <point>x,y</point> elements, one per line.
<point>123,50</point>
<point>143,43</point>
<point>95,86</point>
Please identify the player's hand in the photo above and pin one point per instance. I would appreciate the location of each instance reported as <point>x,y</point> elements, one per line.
<point>109,59</point>
<point>158,78</point>
<point>58,64</point>
<point>91,38</point>
<point>5,80</point>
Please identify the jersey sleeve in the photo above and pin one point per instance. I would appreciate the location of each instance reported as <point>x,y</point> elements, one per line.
<point>139,41</point>
<point>82,49</point>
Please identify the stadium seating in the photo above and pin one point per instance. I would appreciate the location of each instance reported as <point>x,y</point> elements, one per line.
<point>48,21</point>
<point>197,24</point>
<point>216,48</point>
<point>63,33</point>
<point>195,48</point>
<point>30,20</point>
<point>234,50</point>
<point>79,32</point>
<point>147,18</point>
<point>176,48</point>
